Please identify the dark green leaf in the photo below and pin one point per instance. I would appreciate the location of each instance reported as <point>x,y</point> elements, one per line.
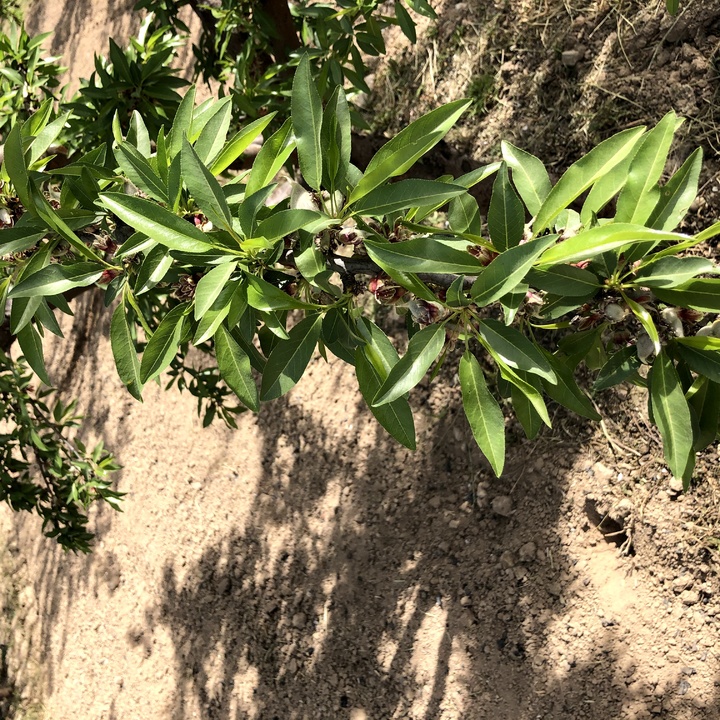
<point>506,216</point>
<point>288,360</point>
<point>31,346</point>
<point>123,349</point>
<point>483,413</point>
<point>425,254</point>
<point>403,195</point>
<point>234,366</point>
<point>621,366</point>
<point>528,175</point>
<point>162,346</point>
<point>307,117</point>
<point>56,279</point>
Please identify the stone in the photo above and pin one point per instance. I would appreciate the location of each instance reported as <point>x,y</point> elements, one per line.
<point>684,582</point>
<point>299,620</point>
<point>602,472</point>
<point>527,552</point>
<point>570,58</point>
<point>502,505</point>
<point>675,485</point>
<point>507,559</point>
<point>465,601</point>
<point>690,597</point>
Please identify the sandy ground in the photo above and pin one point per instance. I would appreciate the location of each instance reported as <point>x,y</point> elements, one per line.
<point>305,567</point>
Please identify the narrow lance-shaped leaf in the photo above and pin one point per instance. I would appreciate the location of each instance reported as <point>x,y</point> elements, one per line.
<point>701,294</point>
<point>56,279</point>
<point>641,192</point>
<point>123,349</point>
<point>398,155</point>
<point>672,416</point>
<point>506,216</point>
<point>234,366</point>
<point>396,417</point>
<point>272,156</point>
<point>423,349</point>
<point>507,270</point>
<point>514,348</point>
<point>566,391</point>
<point>209,287</point>
<point>140,172</point>
<point>405,194</point>
<point>528,175</point>
<point>336,140</point>
<point>307,117</point>
<point>31,346</point>
<point>157,223</point>
<point>239,143</point>
<point>204,188</point>
<point>163,345</point>
<point>288,360</point>
<point>424,254</point>
<point>582,174</point>
<point>483,413</point>
<point>673,271</point>
<point>678,194</point>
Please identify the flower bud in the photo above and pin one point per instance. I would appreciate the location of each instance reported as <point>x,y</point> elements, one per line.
<point>645,346</point>
<point>670,316</point>
<point>301,199</point>
<point>614,312</point>
<point>386,292</point>
<point>426,313</point>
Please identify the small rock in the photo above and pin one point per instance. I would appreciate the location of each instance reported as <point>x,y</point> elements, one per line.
<point>292,666</point>
<point>687,671</point>
<point>672,658</point>
<point>675,485</point>
<point>570,58</point>
<point>299,620</point>
<point>683,687</point>
<point>465,601</point>
<point>507,559</point>
<point>690,597</point>
<point>684,582</point>
<point>358,714</point>
<point>528,552</point>
<point>554,589</point>
<point>454,524</point>
<point>502,505</point>
<point>434,502</point>
<point>602,472</point>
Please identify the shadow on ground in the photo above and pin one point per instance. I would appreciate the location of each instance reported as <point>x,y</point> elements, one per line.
<point>365,578</point>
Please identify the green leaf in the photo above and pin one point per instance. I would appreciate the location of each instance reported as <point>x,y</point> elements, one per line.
<point>266,297</point>
<point>597,240</point>
<point>605,189</point>
<point>307,117</point>
<point>405,22</point>
<point>506,216</point>
<point>215,314</point>
<point>641,192</point>
<point>405,194</point>
<point>181,124</point>
<point>464,215</point>
<point>672,416</point>
<point>18,239</point>
<point>514,349</point>
<point>396,417</point>
<point>205,189</point>
<point>398,155</point>
<point>16,167</point>
<point>286,222</point>
<point>139,171</point>
<point>336,141</point>
<point>483,413</point>
<point>706,405</point>
<point>564,280</point>
<point>157,223</point>
<point>566,391</point>
<point>701,294</point>
<point>425,254</point>
<point>272,156</point>
<point>163,345</point>
<point>31,346</point>
<point>584,173</point>
<point>235,370</point>
<point>56,279</point>
<point>153,269</point>
<point>209,287</point>
<point>673,271</point>
<point>507,270</point>
<point>235,147</point>
<point>678,194</point>
<point>123,349</point>
<point>423,349</point>
<point>621,366</point>
<point>702,354</point>
<point>213,135</point>
<point>528,175</point>
<point>645,318</point>
<point>526,385</point>
<point>288,360</point>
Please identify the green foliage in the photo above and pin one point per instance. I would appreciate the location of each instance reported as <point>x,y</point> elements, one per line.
<point>26,77</point>
<point>190,258</point>
<point>43,468</point>
<point>139,79</point>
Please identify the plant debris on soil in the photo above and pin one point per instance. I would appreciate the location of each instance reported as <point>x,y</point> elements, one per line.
<point>306,567</point>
